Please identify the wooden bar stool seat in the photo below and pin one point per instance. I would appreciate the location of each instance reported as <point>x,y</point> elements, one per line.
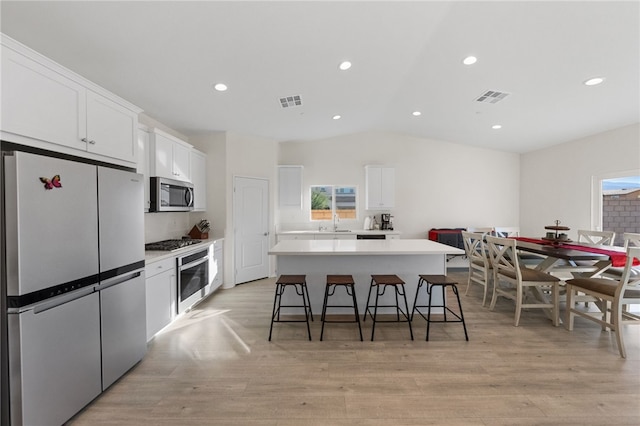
<point>443,282</point>
<point>380,283</point>
<point>299,283</point>
<point>333,282</point>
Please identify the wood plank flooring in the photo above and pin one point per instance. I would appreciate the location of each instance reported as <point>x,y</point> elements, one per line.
<point>214,366</point>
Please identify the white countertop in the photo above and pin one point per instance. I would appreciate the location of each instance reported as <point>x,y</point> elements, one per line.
<point>351,231</point>
<point>361,247</point>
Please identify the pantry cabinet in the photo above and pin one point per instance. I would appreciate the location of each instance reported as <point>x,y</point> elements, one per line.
<point>169,156</point>
<point>44,103</point>
<point>380,187</point>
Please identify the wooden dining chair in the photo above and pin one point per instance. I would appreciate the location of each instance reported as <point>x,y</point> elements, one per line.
<point>586,268</point>
<point>630,240</point>
<point>614,295</point>
<point>479,265</point>
<point>518,279</point>
<point>512,232</point>
<point>603,238</point>
<point>506,231</point>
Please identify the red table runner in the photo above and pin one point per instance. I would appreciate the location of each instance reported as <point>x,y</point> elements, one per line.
<point>617,259</point>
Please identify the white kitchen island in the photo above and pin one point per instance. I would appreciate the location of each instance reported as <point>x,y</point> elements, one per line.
<point>360,258</point>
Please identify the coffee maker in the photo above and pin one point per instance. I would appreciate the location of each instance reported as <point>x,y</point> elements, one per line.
<point>387,221</point>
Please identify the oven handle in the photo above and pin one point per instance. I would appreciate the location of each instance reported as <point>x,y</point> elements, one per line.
<point>194,263</point>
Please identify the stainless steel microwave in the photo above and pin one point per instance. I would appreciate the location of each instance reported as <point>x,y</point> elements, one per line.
<point>168,195</point>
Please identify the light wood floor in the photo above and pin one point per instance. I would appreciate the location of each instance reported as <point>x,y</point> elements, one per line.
<point>214,366</point>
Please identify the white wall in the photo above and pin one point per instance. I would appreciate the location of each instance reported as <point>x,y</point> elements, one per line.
<point>247,156</point>
<point>556,182</point>
<point>214,145</point>
<point>438,184</point>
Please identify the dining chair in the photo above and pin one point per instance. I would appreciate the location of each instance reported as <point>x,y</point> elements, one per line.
<point>479,265</point>
<point>604,238</point>
<point>480,229</point>
<point>630,240</point>
<point>514,231</point>
<point>508,270</point>
<point>506,231</point>
<point>614,295</point>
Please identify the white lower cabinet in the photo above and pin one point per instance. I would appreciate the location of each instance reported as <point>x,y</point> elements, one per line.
<point>161,287</point>
<point>216,269</point>
<point>347,236</point>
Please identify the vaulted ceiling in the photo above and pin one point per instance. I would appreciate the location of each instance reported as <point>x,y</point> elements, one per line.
<point>406,57</point>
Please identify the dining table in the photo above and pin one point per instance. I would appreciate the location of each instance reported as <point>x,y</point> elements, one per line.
<point>570,257</point>
<point>566,256</point>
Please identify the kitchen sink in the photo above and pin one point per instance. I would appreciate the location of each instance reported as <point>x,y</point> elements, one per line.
<point>342,230</point>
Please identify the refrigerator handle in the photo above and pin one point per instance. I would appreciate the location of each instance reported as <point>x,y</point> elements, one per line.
<point>118,280</point>
<point>60,300</point>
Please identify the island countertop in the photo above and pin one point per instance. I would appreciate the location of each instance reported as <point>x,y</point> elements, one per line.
<point>361,247</point>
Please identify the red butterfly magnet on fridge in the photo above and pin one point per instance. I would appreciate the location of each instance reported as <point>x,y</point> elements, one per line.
<point>54,182</point>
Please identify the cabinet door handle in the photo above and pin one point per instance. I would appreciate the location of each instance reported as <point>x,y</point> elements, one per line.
<point>85,140</point>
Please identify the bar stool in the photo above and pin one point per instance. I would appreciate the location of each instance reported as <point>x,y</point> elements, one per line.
<point>443,282</point>
<point>382,282</point>
<point>333,282</point>
<point>282,283</point>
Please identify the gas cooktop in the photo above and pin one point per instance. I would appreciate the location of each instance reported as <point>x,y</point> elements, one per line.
<point>169,245</point>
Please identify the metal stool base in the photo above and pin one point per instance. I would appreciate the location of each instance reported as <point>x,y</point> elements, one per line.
<point>443,282</point>
<point>382,282</point>
<point>333,282</point>
<point>294,281</point>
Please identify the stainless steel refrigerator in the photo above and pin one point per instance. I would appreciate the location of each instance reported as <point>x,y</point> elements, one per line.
<point>73,271</point>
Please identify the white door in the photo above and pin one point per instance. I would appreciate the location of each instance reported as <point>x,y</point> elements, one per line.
<point>251,228</point>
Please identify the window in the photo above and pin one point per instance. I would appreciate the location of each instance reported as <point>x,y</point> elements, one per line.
<point>328,200</point>
<point>621,206</point>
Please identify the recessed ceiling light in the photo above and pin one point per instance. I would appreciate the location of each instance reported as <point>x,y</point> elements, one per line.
<point>220,87</point>
<point>344,65</point>
<point>594,81</point>
<point>469,60</point>
<point>496,126</point>
<point>416,113</point>
<point>336,117</point>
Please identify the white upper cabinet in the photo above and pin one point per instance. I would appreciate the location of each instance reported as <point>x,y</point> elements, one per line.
<point>381,182</point>
<point>169,156</point>
<point>111,128</point>
<point>199,180</point>
<point>290,187</point>
<point>40,103</point>
<point>44,103</point>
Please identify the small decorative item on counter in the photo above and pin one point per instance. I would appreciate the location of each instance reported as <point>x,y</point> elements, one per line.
<point>200,230</point>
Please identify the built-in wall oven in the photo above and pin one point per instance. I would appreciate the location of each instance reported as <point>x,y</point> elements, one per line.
<point>193,278</point>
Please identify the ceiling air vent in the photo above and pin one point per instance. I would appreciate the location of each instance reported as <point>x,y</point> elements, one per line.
<point>291,101</point>
<point>492,97</point>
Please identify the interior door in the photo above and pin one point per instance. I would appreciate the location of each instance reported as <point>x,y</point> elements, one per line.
<point>251,228</point>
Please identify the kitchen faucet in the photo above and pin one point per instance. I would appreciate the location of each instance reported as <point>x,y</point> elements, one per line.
<point>336,219</point>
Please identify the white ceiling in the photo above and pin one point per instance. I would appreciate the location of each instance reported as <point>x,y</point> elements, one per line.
<point>165,57</point>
